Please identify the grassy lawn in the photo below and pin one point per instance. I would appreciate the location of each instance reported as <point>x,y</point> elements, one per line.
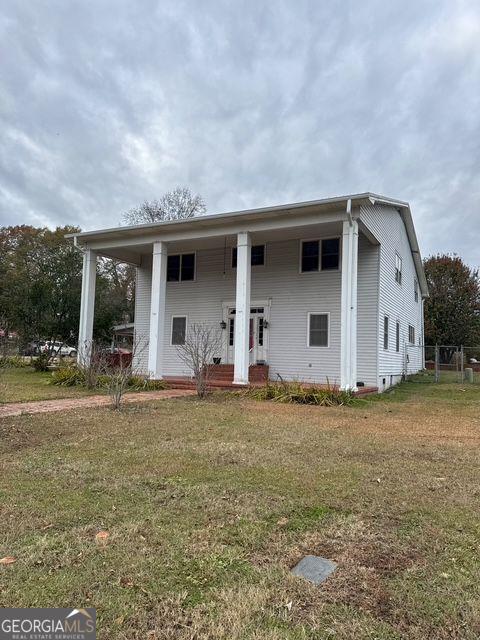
<point>23,384</point>
<point>209,504</point>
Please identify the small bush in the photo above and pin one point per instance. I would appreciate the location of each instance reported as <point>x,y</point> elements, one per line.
<point>297,393</point>
<point>41,362</point>
<point>13,362</point>
<point>68,376</point>
<point>137,383</point>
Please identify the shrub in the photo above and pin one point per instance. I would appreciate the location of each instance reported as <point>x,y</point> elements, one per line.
<point>41,362</point>
<point>137,383</point>
<point>13,362</point>
<point>295,392</point>
<point>68,376</point>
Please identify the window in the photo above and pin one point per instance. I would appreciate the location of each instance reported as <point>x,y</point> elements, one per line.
<point>179,328</point>
<point>257,256</point>
<point>398,269</point>
<point>330,253</point>
<point>397,337</point>
<point>181,267</point>
<point>411,334</point>
<point>385,332</point>
<point>327,259</point>
<point>318,329</point>
<point>310,256</point>
<point>415,289</point>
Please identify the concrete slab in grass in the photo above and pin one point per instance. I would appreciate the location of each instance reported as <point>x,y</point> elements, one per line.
<point>314,569</point>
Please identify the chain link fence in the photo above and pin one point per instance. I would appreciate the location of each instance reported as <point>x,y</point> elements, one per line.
<point>442,363</point>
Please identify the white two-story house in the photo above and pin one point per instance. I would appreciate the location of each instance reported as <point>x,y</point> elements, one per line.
<point>324,291</point>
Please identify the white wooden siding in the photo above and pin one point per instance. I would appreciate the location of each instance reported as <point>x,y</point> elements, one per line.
<point>292,294</point>
<point>397,301</point>
<point>367,311</point>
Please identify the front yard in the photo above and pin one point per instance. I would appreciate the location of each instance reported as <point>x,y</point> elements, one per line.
<point>207,505</point>
<point>23,384</point>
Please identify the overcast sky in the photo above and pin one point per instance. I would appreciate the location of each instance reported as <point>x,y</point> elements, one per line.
<point>106,103</point>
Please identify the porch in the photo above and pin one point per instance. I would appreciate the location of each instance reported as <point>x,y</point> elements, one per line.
<point>275,300</point>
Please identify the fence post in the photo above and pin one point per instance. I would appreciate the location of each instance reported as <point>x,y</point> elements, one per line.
<point>437,363</point>
<point>462,366</point>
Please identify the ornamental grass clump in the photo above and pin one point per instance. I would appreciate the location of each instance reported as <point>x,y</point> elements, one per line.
<point>298,393</point>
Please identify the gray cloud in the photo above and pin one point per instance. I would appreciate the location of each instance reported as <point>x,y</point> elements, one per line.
<point>106,103</point>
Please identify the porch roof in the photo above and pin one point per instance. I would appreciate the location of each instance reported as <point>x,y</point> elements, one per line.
<point>126,243</point>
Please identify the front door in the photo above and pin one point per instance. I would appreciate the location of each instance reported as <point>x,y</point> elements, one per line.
<point>257,339</point>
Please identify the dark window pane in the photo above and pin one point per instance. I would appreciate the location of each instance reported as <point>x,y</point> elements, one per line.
<point>188,266</point>
<point>260,332</point>
<point>318,330</point>
<point>234,257</point>
<point>179,326</point>
<point>231,331</point>
<point>310,256</point>
<point>258,255</point>
<point>330,253</point>
<point>385,332</point>
<point>173,269</point>
<point>397,337</point>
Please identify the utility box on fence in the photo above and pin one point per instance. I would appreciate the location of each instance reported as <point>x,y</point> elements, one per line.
<point>469,374</point>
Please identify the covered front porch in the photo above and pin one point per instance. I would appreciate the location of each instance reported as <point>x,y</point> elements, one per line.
<point>210,270</point>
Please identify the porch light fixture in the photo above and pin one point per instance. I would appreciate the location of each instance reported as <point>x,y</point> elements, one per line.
<point>265,324</point>
<point>223,325</point>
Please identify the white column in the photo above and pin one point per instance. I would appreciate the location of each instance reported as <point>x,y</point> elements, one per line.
<point>242,309</point>
<point>348,347</point>
<point>157,310</point>
<point>87,306</point>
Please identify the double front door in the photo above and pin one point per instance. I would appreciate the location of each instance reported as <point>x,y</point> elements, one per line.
<point>257,339</point>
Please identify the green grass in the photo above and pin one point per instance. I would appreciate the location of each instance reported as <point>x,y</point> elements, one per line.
<point>209,504</point>
<point>23,384</point>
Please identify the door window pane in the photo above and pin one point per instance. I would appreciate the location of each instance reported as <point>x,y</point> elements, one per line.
<point>231,331</point>
<point>318,330</point>
<point>310,257</point>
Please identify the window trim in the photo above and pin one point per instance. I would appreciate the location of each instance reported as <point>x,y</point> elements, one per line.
<point>319,240</point>
<point>256,266</point>
<point>386,334</point>
<point>171,326</point>
<point>183,253</point>
<point>318,313</point>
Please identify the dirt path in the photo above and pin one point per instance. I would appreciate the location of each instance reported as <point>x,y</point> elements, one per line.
<point>65,404</point>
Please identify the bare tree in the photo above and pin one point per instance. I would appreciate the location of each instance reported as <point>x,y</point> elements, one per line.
<point>118,372</point>
<point>174,205</point>
<point>202,344</point>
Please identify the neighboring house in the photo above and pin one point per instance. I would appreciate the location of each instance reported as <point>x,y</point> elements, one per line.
<point>324,291</point>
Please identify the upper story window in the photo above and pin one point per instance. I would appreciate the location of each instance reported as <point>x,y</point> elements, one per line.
<point>257,255</point>
<point>321,255</point>
<point>181,267</point>
<point>415,289</point>
<point>398,269</point>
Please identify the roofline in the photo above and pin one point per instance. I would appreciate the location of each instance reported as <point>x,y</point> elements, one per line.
<point>124,230</point>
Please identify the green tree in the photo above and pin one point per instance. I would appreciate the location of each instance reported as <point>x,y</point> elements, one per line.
<point>452,312</point>
<point>40,286</point>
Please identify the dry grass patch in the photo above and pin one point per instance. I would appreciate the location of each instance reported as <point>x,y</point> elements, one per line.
<point>207,506</point>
